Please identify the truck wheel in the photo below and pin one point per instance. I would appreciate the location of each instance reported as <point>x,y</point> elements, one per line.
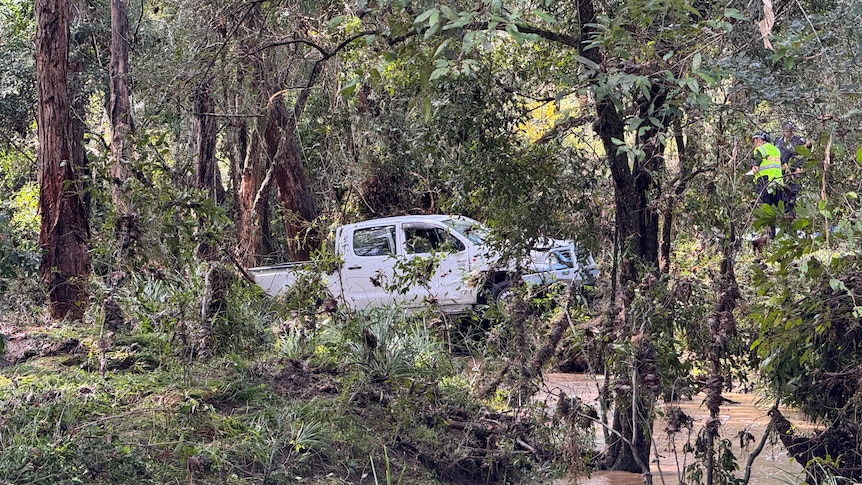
<point>502,292</point>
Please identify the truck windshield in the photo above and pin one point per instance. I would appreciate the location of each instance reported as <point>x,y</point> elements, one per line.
<point>472,230</point>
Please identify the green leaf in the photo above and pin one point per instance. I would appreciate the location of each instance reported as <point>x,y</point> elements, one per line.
<point>335,22</point>
<point>706,77</point>
<point>434,20</point>
<point>690,83</point>
<point>836,284</point>
<point>545,16</point>
<point>468,43</point>
<point>426,15</point>
<point>438,73</point>
<point>595,67</point>
<point>349,88</point>
<point>441,48</point>
<point>803,150</point>
<point>696,62</point>
<point>733,13</point>
<point>449,12</point>
<point>691,10</point>
<point>859,156</point>
<point>432,31</point>
<point>516,34</point>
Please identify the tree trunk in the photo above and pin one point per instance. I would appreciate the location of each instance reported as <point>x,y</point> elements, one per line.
<point>686,167</point>
<point>249,235</point>
<point>252,203</point>
<point>629,456</point>
<point>120,113</point>
<point>647,172</point>
<point>120,108</point>
<point>637,229</point>
<point>290,180</point>
<point>65,223</point>
<point>207,176</point>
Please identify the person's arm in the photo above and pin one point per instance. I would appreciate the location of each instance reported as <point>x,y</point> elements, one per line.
<point>756,158</point>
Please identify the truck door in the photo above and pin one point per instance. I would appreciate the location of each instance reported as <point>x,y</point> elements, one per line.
<point>368,273</point>
<point>439,260</point>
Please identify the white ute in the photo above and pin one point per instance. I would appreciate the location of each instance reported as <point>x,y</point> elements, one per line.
<point>375,255</point>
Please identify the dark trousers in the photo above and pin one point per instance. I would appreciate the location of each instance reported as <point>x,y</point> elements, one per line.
<point>789,195</point>
<point>768,194</point>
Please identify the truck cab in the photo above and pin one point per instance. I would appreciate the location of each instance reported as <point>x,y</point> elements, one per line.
<point>411,260</point>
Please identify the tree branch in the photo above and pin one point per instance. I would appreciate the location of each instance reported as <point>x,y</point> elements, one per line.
<point>565,39</point>
<point>323,52</point>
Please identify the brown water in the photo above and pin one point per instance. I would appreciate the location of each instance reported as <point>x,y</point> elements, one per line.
<point>773,466</point>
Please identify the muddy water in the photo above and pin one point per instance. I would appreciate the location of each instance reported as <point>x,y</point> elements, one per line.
<point>773,466</point>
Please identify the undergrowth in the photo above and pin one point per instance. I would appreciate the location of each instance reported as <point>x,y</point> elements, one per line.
<point>288,394</point>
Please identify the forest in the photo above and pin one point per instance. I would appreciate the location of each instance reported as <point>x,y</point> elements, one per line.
<point>151,152</point>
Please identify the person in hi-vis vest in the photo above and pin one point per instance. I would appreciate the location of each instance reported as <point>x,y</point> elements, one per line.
<point>766,168</point>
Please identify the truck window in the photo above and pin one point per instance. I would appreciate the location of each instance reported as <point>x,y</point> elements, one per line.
<point>374,241</point>
<point>421,240</point>
<point>561,260</point>
<point>472,230</point>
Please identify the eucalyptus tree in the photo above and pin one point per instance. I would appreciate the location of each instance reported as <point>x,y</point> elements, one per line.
<point>65,220</point>
<point>119,104</point>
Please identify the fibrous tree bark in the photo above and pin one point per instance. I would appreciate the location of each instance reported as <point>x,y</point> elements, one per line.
<point>122,127</point>
<point>250,168</point>
<point>288,173</point>
<point>120,107</point>
<point>65,226</point>
<point>207,178</point>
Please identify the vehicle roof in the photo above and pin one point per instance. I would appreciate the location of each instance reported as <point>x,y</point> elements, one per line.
<point>408,218</point>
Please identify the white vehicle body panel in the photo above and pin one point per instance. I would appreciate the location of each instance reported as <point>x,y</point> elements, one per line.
<point>383,263</point>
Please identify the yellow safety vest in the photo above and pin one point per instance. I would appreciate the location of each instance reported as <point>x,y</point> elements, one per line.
<point>770,162</point>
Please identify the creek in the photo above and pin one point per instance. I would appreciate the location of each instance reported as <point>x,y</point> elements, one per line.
<point>772,466</point>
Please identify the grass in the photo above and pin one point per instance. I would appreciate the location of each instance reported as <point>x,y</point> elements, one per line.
<point>366,398</point>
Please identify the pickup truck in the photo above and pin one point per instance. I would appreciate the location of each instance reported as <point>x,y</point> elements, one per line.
<point>457,269</point>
